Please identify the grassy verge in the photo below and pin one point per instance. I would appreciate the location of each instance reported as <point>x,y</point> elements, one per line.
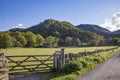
<point>80,66</point>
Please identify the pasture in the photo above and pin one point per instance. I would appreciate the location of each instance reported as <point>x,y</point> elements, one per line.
<point>47,51</point>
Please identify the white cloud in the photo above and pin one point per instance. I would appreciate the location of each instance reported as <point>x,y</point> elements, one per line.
<point>18,26</point>
<point>112,23</point>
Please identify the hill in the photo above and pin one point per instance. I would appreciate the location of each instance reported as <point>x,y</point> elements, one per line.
<point>117,33</point>
<point>62,30</point>
<point>95,28</point>
<point>55,28</point>
<point>16,29</point>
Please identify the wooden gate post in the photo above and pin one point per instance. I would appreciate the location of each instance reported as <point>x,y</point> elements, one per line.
<point>62,58</point>
<point>3,67</point>
<point>56,60</point>
<point>59,59</point>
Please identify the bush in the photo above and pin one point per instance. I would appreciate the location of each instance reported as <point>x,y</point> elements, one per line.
<point>72,67</point>
<point>84,62</point>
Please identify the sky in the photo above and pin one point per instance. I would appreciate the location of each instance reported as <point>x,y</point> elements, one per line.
<point>26,13</point>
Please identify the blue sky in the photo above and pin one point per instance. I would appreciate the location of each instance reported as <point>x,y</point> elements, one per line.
<point>30,12</point>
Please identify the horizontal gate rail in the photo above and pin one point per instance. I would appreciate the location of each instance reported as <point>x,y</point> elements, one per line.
<point>28,61</point>
<point>28,55</point>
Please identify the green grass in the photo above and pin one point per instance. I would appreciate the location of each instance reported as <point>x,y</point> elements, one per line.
<point>47,51</point>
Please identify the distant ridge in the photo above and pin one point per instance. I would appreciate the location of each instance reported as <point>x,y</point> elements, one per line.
<point>96,29</point>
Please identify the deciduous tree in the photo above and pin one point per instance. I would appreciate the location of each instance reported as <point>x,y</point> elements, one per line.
<point>5,40</point>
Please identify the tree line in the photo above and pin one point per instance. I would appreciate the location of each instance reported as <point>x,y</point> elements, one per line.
<point>28,39</point>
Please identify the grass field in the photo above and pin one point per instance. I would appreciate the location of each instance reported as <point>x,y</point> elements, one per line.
<point>43,51</point>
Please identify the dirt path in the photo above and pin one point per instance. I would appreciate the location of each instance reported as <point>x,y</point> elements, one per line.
<point>33,76</point>
<point>110,70</point>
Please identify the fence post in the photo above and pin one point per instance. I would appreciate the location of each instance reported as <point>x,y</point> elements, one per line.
<point>62,58</point>
<point>3,67</point>
<point>59,59</point>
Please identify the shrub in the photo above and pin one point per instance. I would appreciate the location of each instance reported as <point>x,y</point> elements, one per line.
<point>97,60</point>
<point>84,62</point>
<point>72,67</point>
<point>89,58</point>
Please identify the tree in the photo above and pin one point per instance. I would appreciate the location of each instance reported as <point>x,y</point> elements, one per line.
<point>55,44</point>
<point>115,41</point>
<point>5,40</point>
<point>101,40</point>
<point>69,41</point>
<point>18,39</point>
<point>76,42</point>
<point>39,40</point>
<point>96,40</point>
<point>18,44</point>
<point>31,39</point>
<point>52,41</point>
<point>22,40</point>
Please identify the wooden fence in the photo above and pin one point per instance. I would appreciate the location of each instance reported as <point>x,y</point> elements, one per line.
<point>30,63</point>
<point>70,57</point>
<point>3,67</point>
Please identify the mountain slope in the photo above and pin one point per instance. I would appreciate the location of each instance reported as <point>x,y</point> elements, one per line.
<point>55,28</point>
<point>95,28</point>
<point>62,30</point>
<point>117,33</point>
<point>16,29</point>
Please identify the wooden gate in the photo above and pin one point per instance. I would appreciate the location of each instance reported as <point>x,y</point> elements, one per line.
<point>30,63</point>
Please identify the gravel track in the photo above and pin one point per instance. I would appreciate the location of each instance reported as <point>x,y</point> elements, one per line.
<point>109,70</point>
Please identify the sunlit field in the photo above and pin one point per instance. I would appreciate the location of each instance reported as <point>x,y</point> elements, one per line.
<point>47,51</point>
